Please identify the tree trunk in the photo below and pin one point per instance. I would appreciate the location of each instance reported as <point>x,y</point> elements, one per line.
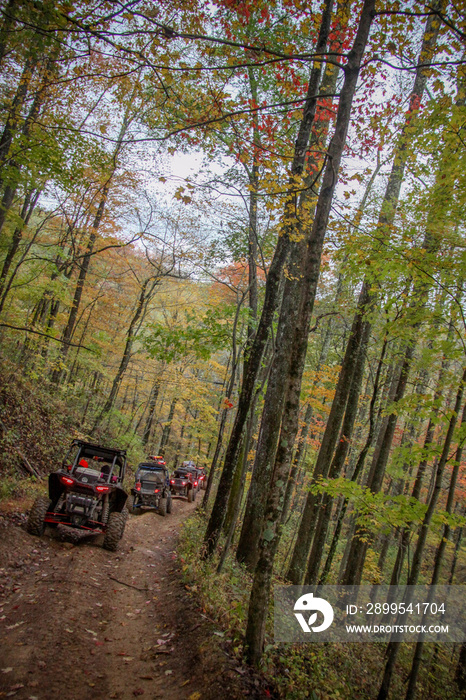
<point>258,604</point>
<point>272,289</point>
<point>237,494</point>
<point>277,384</point>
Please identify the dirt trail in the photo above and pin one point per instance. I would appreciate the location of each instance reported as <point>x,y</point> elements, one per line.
<point>81,623</point>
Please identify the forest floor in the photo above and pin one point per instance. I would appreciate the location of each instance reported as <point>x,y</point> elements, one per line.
<point>81,623</point>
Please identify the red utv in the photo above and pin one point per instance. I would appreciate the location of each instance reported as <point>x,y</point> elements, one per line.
<point>183,483</point>
<point>199,473</point>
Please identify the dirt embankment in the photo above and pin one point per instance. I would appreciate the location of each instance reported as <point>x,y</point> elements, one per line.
<point>81,623</point>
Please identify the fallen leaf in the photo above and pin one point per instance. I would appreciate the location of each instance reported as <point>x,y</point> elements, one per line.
<point>12,627</point>
<point>194,696</point>
<point>7,670</point>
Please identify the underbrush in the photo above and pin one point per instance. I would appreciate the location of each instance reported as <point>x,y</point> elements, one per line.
<point>316,671</point>
<point>37,425</point>
<point>19,489</point>
<point>225,596</point>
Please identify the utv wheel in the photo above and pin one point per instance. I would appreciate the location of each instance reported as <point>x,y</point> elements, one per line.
<point>169,504</point>
<point>36,521</point>
<point>130,506</point>
<point>114,533</point>
<point>163,507</point>
<point>190,496</point>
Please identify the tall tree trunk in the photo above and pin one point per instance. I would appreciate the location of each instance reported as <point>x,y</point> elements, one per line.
<point>237,494</point>
<point>365,302</point>
<point>272,289</point>
<point>301,441</point>
<point>83,269</point>
<point>276,390</point>
<point>258,603</point>
<point>239,478</point>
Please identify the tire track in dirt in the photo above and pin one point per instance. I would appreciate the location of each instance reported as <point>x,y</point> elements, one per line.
<point>81,623</point>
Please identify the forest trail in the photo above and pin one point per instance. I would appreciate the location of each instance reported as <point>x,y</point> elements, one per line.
<point>81,623</point>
